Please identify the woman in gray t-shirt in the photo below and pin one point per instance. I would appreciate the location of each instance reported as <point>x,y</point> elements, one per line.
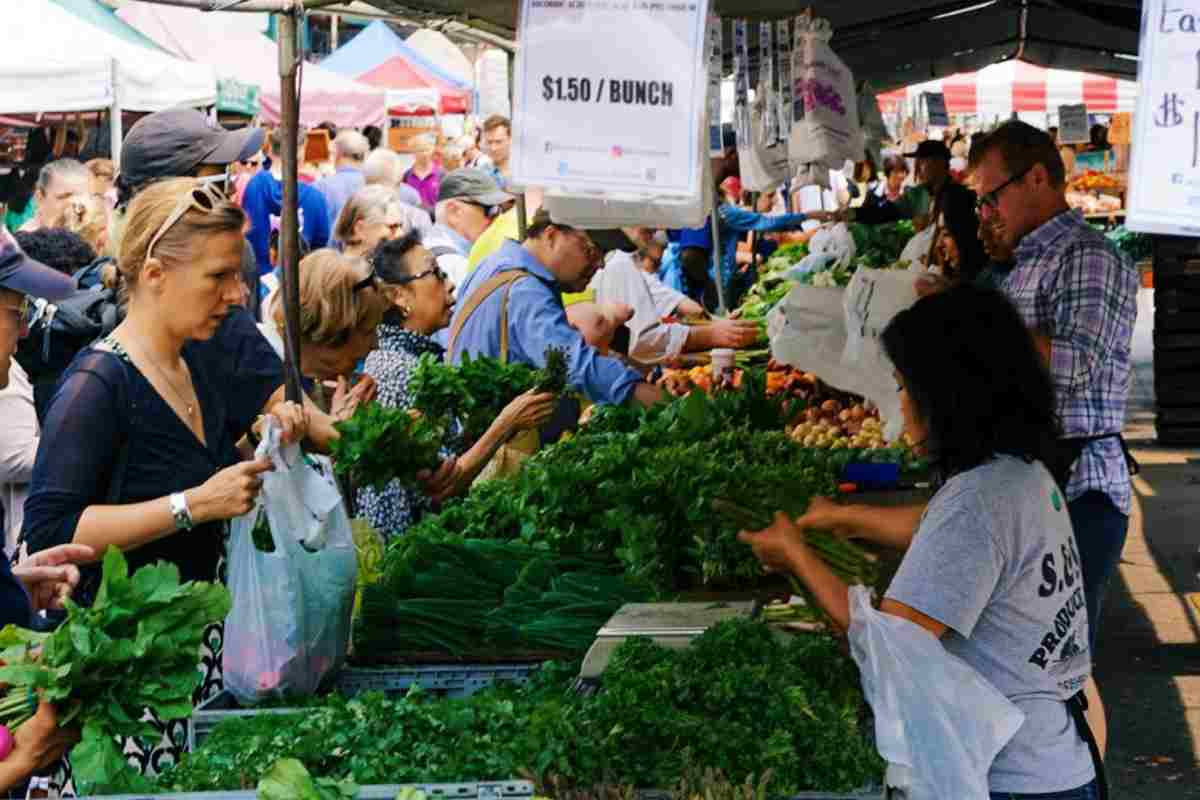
<point>993,570</point>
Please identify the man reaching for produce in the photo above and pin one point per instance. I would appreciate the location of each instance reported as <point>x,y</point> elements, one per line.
<point>511,308</point>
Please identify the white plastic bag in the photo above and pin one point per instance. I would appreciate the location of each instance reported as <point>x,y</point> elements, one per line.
<point>936,719</point>
<point>807,330</point>
<point>835,240</point>
<point>825,128</point>
<point>872,298</point>
<point>916,252</point>
<point>289,625</point>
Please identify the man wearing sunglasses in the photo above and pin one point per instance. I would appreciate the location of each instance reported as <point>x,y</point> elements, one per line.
<point>511,308</point>
<point>468,201</point>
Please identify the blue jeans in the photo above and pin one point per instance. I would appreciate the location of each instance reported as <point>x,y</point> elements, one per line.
<point>1086,792</point>
<point>1100,531</point>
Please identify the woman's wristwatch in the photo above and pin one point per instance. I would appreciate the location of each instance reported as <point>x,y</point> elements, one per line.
<point>181,513</point>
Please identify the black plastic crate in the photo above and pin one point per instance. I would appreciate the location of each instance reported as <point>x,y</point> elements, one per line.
<point>1167,362</point>
<point>1171,340</point>
<point>1166,321</point>
<point>1186,435</point>
<point>1175,300</point>
<point>1178,417</point>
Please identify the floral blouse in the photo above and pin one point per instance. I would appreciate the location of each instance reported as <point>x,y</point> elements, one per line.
<point>396,507</point>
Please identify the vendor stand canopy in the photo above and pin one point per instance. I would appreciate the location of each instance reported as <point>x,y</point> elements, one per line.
<point>1017,86</point>
<point>379,57</point>
<point>56,61</point>
<point>247,57</point>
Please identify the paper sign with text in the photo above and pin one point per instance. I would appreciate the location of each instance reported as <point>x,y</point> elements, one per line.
<point>1073,125</point>
<point>1164,178</point>
<point>611,96</point>
<point>935,103</point>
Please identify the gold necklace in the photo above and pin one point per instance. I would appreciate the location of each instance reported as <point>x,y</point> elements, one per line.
<point>191,408</point>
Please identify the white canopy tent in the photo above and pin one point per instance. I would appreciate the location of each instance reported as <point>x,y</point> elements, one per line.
<point>55,62</point>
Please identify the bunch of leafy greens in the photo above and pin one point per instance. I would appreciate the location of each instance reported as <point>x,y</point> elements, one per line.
<point>135,648</point>
<point>739,700</point>
<point>482,597</point>
<point>477,390</point>
<point>287,779</point>
<point>379,444</point>
<point>1137,246</point>
<point>879,246</point>
<point>650,479</point>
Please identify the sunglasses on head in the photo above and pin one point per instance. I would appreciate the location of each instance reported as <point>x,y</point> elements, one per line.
<point>205,197</point>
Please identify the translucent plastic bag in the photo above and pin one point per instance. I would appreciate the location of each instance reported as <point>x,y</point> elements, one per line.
<point>872,298</point>
<point>825,129</point>
<point>289,625</point>
<point>835,240</point>
<point>937,721</point>
<point>807,330</point>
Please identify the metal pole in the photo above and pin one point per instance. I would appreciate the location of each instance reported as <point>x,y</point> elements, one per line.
<point>522,211</point>
<point>115,130</point>
<point>334,20</point>
<point>716,237</point>
<point>289,244</point>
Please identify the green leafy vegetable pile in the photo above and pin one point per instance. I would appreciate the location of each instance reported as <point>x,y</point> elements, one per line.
<point>738,700</point>
<point>135,648</point>
<point>473,596</point>
<point>879,246</point>
<point>1137,246</point>
<point>379,444</point>
<point>287,779</point>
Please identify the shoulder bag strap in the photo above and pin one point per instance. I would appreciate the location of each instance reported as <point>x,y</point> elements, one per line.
<point>1078,705</point>
<point>477,299</point>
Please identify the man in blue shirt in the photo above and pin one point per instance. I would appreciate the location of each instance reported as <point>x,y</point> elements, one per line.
<point>350,150</point>
<point>511,308</point>
<point>263,199</point>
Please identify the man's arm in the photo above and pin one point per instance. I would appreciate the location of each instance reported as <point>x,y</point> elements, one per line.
<point>743,221</point>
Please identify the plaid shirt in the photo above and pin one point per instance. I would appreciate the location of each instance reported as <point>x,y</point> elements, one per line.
<point>1073,285</point>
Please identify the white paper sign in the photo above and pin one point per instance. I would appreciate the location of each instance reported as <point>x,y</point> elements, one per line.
<point>716,58</point>
<point>625,118</point>
<point>1073,125</point>
<point>1164,180</point>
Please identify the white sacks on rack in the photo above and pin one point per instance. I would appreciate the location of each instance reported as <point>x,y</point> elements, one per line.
<point>763,167</point>
<point>825,126</point>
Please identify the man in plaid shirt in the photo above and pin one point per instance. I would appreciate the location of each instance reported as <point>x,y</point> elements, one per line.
<point>1078,296</point>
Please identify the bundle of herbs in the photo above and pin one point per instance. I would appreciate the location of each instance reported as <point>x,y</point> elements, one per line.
<point>379,444</point>
<point>135,648</point>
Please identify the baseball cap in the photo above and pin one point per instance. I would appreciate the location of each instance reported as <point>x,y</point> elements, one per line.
<point>606,239</point>
<point>20,273</point>
<point>931,148</point>
<point>172,143</point>
<point>472,184</point>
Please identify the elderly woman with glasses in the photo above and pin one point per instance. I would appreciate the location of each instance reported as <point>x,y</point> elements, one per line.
<point>138,448</point>
<point>421,299</point>
<point>371,216</point>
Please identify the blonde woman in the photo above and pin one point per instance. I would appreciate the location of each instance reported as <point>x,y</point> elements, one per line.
<point>370,216</point>
<point>138,448</point>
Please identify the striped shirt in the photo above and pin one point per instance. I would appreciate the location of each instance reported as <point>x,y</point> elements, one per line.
<point>1072,285</point>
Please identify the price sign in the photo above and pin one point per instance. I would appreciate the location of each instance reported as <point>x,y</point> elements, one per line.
<point>1164,179</point>
<point>1119,130</point>
<point>716,57</point>
<point>1073,125</point>
<point>625,118</point>
<point>935,103</point>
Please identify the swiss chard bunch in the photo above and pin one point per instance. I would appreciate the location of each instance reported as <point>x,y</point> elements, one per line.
<point>135,648</point>
<point>552,378</point>
<point>379,444</point>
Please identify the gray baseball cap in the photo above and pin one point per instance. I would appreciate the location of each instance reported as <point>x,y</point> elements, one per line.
<point>472,184</point>
<point>172,143</point>
<point>20,273</point>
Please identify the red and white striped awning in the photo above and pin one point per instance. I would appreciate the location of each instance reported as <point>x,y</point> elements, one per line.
<point>1001,89</point>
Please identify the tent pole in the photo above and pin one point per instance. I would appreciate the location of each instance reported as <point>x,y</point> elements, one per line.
<point>114,118</point>
<point>289,245</point>
<point>522,211</point>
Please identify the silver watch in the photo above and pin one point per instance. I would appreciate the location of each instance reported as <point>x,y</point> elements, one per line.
<point>179,510</point>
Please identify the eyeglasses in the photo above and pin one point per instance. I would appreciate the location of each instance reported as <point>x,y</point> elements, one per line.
<point>435,271</point>
<point>204,198</point>
<point>992,199</point>
<point>589,247</point>
<point>370,280</point>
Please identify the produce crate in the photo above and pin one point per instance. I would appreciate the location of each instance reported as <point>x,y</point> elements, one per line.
<point>871,794</point>
<point>216,710</point>
<point>442,680</point>
<point>497,790</point>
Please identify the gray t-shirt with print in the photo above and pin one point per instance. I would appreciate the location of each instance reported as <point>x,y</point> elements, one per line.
<point>995,560</point>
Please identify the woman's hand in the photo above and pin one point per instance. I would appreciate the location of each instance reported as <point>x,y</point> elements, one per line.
<point>448,480</point>
<point>230,493</point>
<point>40,742</point>
<point>825,515</point>
<point>49,576</point>
<point>293,419</point>
<point>734,333</point>
<point>347,399</point>
<point>528,411</point>
<point>776,546</point>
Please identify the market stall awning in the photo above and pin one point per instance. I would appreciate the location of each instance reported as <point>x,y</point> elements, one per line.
<point>1001,89</point>
<point>240,54</point>
<point>55,61</point>
<point>377,56</point>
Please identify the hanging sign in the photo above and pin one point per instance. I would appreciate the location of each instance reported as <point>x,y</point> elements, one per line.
<point>766,82</point>
<point>741,82</point>
<point>1073,125</point>
<point>935,106</point>
<point>716,59</point>
<point>626,118</point>
<point>235,97</point>
<point>1164,178</point>
<point>1119,128</point>
<point>783,60</point>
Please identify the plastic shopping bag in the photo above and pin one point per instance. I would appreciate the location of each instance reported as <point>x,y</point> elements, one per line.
<point>936,719</point>
<point>872,298</point>
<point>916,252</point>
<point>807,330</point>
<point>763,166</point>
<point>289,625</point>
<point>835,240</point>
<point>825,128</point>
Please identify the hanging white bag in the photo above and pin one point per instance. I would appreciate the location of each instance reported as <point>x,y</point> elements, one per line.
<point>807,330</point>
<point>289,625</point>
<point>825,126</point>
<point>938,722</point>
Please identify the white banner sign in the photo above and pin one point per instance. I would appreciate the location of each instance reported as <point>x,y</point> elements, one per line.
<point>1164,179</point>
<point>610,96</point>
<point>716,59</point>
<point>1073,125</point>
